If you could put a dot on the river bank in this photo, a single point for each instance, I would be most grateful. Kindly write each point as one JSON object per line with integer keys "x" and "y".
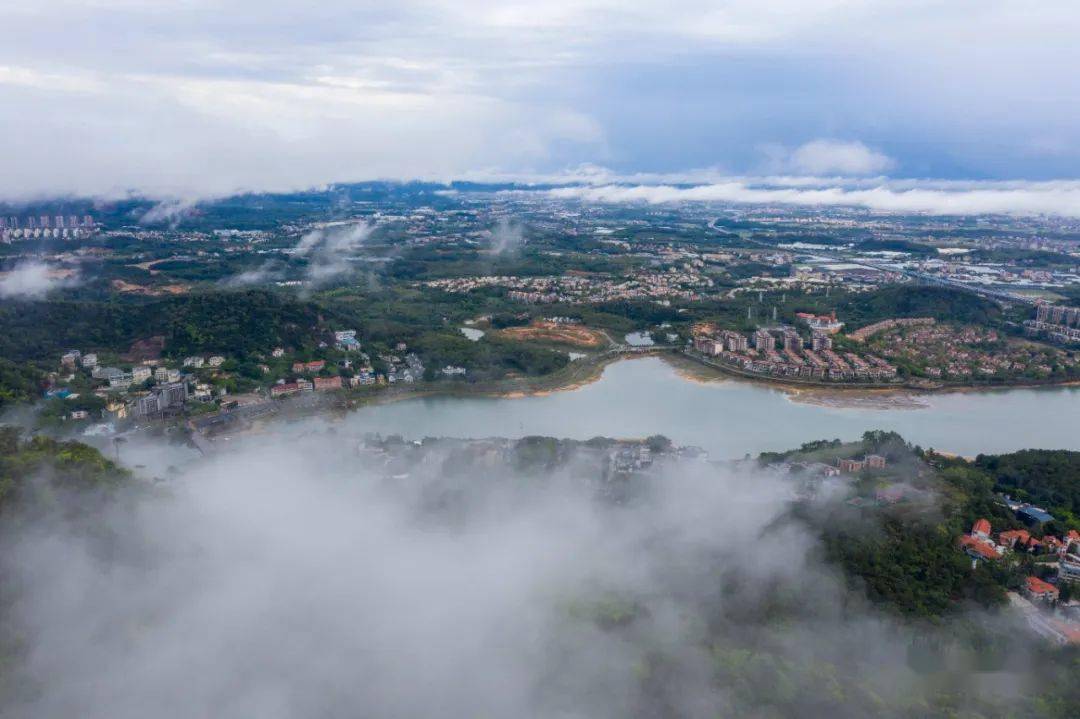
{"x": 818, "y": 390}
{"x": 665, "y": 394}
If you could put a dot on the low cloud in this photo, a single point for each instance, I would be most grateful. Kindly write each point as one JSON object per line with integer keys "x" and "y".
{"x": 936, "y": 198}
{"x": 263, "y": 273}
{"x": 168, "y": 212}
{"x": 328, "y": 249}
{"x": 293, "y": 575}
{"x": 507, "y": 237}
{"x": 828, "y": 157}
{"x": 34, "y": 280}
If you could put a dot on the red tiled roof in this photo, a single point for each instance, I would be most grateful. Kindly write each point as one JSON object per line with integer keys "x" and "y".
{"x": 981, "y": 526}
{"x": 1038, "y": 586}
{"x": 981, "y": 548}
{"x": 1020, "y": 536}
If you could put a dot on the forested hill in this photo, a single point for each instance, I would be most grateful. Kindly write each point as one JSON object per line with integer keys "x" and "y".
{"x": 39, "y": 472}
{"x": 1043, "y": 477}
{"x": 940, "y": 303}
{"x": 908, "y": 563}
{"x": 238, "y": 323}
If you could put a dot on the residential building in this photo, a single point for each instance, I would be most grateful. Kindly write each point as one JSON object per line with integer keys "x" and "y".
{"x": 1069, "y": 562}
{"x": 822, "y": 323}
{"x": 850, "y": 466}
{"x": 324, "y": 384}
{"x": 874, "y": 461}
{"x": 194, "y": 362}
{"x": 764, "y": 340}
{"x": 173, "y": 394}
{"x": 708, "y": 346}
{"x": 70, "y": 358}
{"x": 147, "y": 406}
{"x": 216, "y": 361}
{"x": 120, "y": 381}
{"x": 168, "y": 396}
{"x": 140, "y": 374}
{"x": 89, "y": 361}
{"x": 820, "y": 341}
{"x": 345, "y": 340}
{"x": 284, "y": 388}
{"x": 105, "y": 373}
{"x": 1014, "y": 538}
{"x": 1036, "y": 589}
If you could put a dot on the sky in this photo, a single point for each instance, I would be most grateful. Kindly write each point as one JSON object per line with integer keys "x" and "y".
{"x": 197, "y": 97}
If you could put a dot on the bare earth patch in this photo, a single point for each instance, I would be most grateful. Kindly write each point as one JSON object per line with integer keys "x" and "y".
{"x": 576, "y": 335}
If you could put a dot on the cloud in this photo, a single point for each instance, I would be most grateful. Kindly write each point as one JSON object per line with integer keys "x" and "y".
{"x": 507, "y": 237}
{"x": 328, "y": 249}
{"x": 1048, "y": 198}
{"x": 299, "y": 574}
{"x": 34, "y": 280}
{"x": 829, "y": 157}
{"x": 169, "y": 212}
{"x": 263, "y": 273}
{"x": 194, "y": 99}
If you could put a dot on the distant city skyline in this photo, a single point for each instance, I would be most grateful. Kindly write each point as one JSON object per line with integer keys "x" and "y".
{"x": 199, "y": 99}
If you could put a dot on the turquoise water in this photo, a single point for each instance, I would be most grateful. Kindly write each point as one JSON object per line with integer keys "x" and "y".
{"x": 730, "y": 418}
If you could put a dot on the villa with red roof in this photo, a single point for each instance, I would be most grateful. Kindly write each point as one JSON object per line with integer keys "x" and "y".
{"x": 978, "y": 544}
{"x": 1035, "y": 588}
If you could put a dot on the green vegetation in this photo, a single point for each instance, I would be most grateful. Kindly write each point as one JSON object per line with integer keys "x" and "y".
{"x": 239, "y": 323}
{"x": 940, "y": 303}
{"x": 1045, "y": 478}
{"x": 18, "y": 382}
{"x": 38, "y": 472}
{"x": 904, "y": 556}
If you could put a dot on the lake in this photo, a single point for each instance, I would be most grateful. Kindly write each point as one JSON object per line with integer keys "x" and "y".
{"x": 729, "y": 418}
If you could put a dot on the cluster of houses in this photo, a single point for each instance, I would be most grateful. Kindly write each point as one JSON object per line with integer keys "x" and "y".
{"x": 854, "y": 466}
{"x": 1057, "y": 621}
{"x": 963, "y": 352}
{"x": 684, "y": 282}
{"x": 861, "y": 334}
{"x": 131, "y": 390}
{"x": 781, "y": 352}
{"x": 405, "y": 370}
{"x": 980, "y": 545}
{"x": 126, "y": 391}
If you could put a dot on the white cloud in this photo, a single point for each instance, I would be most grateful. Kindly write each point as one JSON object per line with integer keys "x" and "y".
{"x": 33, "y": 280}
{"x": 328, "y": 249}
{"x": 1049, "y": 198}
{"x": 291, "y": 577}
{"x": 834, "y": 157}
{"x": 198, "y": 98}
